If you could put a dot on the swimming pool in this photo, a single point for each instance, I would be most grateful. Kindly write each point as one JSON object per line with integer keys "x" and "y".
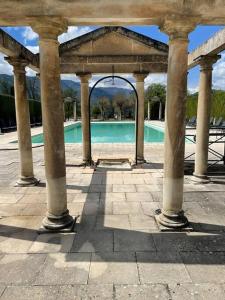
{"x": 109, "y": 132}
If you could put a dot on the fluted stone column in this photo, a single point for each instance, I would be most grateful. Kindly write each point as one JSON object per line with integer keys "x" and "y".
{"x": 203, "y": 115}
{"x": 172, "y": 215}
{"x": 26, "y": 177}
{"x": 52, "y": 110}
{"x": 85, "y": 117}
{"x": 140, "y": 81}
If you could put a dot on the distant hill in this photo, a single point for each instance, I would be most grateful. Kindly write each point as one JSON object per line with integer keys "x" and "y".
{"x": 65, "y": 84}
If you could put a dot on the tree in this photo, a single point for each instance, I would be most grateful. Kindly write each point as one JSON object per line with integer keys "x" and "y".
{"x": 103, "y": 104}
{"x": 6, "y": 87}
{"x": 119, "y": 102}
{"x": 32, "y": 88}
{"x": 156, "y": 95}
{"x": 69, "y": 97}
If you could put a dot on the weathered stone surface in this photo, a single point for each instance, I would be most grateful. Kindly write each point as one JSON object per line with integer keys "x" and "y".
{"x": 142, "y": 197}
{"x": 113, "y": 222}
{"x": 52, "y": 242}
{"x": 86, "y": 292}
{"x": 20, "y": 268}
{"x": 207, "y": 267}
{"x": 31, "y": 292}
{"x": 106, "y": 268}
{"x": 133, "y": 241}
{"x": 64, "y": 268}
{"x": 154, "y": 267}
{"x": 142, "y": 291}
{"x": 93, "y": 241}
{"x": 190, "y": 291}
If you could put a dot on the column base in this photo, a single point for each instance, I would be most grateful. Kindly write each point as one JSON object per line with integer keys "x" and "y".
{"x": 172, "y": 221}
{"x": 200, "y": 178}
{"x": 27, "y": 181}
{"x": 88, "y": 162}
{"x": 57, "y": 223}
{"x": 141, "y": 160}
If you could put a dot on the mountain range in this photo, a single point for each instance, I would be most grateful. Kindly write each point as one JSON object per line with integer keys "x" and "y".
{"x": 98, "y": 92}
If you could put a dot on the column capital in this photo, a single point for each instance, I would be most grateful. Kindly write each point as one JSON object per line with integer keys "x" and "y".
{"x": 140, "y": 76}
{"x": 84, "y": 77}
{"x": 206, "y": 61}
{"x": 49, "y": 28}
{"x": 178, "y": 28}
{"x": 19, "y": 64}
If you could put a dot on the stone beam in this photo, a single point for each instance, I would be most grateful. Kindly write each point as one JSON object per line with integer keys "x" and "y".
{"x": 111, "y": 12}
{"x": 10, "y": 47}
{"x": 118, "y": 68}
{"x": 112, "y": 59}
{"x": 212, "y": 46}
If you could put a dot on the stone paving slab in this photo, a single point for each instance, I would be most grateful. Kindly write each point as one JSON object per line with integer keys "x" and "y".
{"x": 20, "y": 268}
{"x": 143, "y": 291}
{"x": 93, "y": 241}
{"x": 129, "y": 241}
{"x": 187, "y": 291}
{"x": 205, "y": 267}
{"x": 64, "y": 268}
{"x": 52, "y": 242}
{"x": 117, "y": 251}
{"x": 161, "y": 267}
{"x": 120, "y": 268}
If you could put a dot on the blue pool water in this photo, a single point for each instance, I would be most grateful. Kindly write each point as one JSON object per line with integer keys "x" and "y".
{"x": 108, "y": 132}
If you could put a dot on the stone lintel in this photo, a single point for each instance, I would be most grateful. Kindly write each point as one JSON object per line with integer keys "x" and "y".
{"x": 118, "y": 68}
{"x": 10, "y": 47}
{"x": 109, "y": 59}
{"x": 212, "y": 46}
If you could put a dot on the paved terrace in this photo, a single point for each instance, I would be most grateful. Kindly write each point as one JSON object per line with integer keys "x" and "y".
{"x": 116, "y": 251}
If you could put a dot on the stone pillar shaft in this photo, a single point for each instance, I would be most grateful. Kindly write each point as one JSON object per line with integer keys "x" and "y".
{"x": 23, "y": 123}
{"x": 53, "y": 117}
{"x": 203, "y": 115}
{"x": 140, "y": 77}
{"x": 85, "y": 117}
{"x": 174, "y": 145}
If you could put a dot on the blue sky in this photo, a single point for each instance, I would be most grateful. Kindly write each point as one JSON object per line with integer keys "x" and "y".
{"x": 30, "y": 39}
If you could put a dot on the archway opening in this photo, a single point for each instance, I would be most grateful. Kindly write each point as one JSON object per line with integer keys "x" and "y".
{"x": 113, "y": 77}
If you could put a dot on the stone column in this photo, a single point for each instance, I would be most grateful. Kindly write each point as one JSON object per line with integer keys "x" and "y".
{"x": 149, "y": 110}
{"x": 85, "y": 117}
{"x": 172, "y": 215}
{"x": 26, "y": 177}
{"x": 75, "y": 110}
{"x": 203, "y": 115}
{"x": 160, "y": 110}
{"x": 52, "y": 110}
{"x": 140, "y": 80}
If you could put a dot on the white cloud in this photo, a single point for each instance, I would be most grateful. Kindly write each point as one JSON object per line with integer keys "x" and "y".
{"x": 34, "y": 49}
{"x": 29, "y": 35}
{"x": 5, "y": 68}
{"x": 155, "y": 78}
{"x": 219, "y": 73}
{"x": 73, "y": 32}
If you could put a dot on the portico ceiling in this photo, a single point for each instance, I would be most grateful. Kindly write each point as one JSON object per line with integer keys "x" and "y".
{"x": 111, "y": 12}
{"x": 115, "y": 49}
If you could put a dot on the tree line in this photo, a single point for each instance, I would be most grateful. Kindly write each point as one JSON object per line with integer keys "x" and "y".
{"x": 119, "y": 107}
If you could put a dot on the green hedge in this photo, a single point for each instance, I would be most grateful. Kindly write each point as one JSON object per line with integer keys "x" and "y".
{"x": 8, "y": 114}
{"x": 217, "y": 108}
